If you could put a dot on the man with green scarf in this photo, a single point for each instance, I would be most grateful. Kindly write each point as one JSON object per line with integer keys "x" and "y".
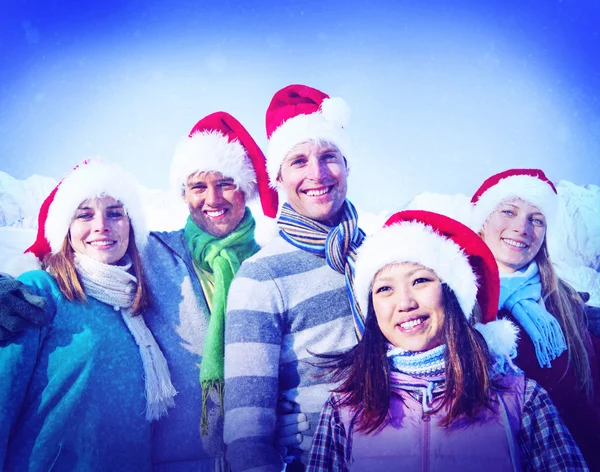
{"x": 216, "y": 170}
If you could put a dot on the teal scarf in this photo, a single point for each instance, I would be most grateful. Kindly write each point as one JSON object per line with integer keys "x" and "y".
{"x": 222, "y": 257}
{"x": 519, "y": 294}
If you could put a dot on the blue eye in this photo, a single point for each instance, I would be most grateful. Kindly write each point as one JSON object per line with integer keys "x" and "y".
{"x": 84, "y": 216}
{"x": 508, "y": 212}
{"x": 538, "y": 222}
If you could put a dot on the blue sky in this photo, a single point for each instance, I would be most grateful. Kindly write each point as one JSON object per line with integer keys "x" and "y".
{"x": 443, "y": 93}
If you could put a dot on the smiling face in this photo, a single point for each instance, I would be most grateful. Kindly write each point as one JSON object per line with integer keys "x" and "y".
{"x": 100, "y": 230}
{"x": 409, "y": 305}
{"x": 514, "y": 233}
{"x": 215, "y": 203}
{"x": 314, "y": 179}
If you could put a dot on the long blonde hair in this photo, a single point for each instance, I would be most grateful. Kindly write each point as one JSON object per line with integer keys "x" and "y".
{"x": 61, "y": 265}
{"x": 565, "y": 304}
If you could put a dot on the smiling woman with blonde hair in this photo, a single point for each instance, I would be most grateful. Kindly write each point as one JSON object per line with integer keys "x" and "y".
{"x": 79, "y": 393}
{"x": 513, "y": 211}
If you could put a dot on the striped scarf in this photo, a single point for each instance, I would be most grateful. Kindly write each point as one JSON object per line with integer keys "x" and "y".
{"x": 337, "y": 245}
{"x": 427, "y": 371}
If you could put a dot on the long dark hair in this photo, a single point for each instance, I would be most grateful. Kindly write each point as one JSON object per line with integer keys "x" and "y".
{"x": 364, "y": 370}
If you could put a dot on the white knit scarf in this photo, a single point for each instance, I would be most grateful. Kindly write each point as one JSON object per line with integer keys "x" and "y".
{"x": 114, "y": 285}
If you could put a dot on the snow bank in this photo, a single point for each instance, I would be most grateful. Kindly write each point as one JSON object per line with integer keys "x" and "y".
{"x": 20, "y": 200}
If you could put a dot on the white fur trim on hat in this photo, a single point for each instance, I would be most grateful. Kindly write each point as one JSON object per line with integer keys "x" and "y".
{"x": 93, "y": 180}
{"x": 326, "y": 125}
{"x": 525, "y": 187}
{"x": 501, "y": 336}
{"x": 416, "y": 243}
{"x": 211, "y": 151}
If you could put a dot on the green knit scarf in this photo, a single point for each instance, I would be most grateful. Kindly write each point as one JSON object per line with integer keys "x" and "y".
{"x": 222, "y": 257}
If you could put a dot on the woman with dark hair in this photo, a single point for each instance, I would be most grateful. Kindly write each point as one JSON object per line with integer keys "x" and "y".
{"x": 513, "y": 211}
{"x": 80, "y": 391}
{"x": 427, "y": 388}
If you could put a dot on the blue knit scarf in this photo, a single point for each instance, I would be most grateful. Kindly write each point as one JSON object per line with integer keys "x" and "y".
{"x": 337, "y": 245}
{"x": 519, "y": 293}
{"x": 427, "y": 371}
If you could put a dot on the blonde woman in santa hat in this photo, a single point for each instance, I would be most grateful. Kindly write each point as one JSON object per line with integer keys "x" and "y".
{"x": 513, "y": 211}
{"x": 423, "y": 389}
{"x": 80, "y": 392}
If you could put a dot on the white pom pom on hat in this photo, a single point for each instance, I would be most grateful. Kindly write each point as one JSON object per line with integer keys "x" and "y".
{"x": 458, "y": 256}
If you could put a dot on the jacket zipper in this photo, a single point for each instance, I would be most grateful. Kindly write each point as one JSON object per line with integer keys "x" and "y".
{"x": 425, "y": 453}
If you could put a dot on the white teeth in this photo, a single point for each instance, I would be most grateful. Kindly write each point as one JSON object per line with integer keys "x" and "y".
{"x": 102, "y": 243}
{"x": 317, "y": 193}
{"x": 412, "y": 324}
{"x": 510, "y": 242}
{"x": 216, "y": 213}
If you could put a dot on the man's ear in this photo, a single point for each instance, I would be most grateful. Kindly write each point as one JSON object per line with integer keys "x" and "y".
{"x": 347, "y": 168}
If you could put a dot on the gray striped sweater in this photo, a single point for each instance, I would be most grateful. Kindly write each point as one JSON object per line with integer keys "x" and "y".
{"x": 283, "y": 304}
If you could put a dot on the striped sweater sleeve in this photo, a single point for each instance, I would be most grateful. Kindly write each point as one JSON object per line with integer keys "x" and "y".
{"x": 253, "y": 336}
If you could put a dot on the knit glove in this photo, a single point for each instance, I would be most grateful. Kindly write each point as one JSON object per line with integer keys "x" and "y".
{"x": 19, "y": 308}
{"x": 288, "y": 430}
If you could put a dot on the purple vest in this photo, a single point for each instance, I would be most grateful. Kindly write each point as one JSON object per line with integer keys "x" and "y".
{"x": 414, "y": 441}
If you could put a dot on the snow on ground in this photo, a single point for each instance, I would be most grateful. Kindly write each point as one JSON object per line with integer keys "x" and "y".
{"x": 574, "y": 244}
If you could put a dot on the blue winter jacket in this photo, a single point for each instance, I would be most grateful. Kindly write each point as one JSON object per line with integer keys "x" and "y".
{"x": 72, "y": 392}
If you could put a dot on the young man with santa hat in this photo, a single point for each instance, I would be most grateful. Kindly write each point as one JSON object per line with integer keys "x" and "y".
{"x": 293, "y": 299}
{"x": 217, "y": 169}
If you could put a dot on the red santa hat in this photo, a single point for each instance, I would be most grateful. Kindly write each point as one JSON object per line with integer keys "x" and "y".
{"x": 219, "y": 143}
{"x": 457, "y": 255}
{"x": 298, "y": 113}
{"x": 93, "y": 178}
{"x": 530, "y": 185}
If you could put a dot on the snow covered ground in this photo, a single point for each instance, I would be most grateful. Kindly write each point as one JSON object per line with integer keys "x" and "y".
{"x": 574, "y": 244}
